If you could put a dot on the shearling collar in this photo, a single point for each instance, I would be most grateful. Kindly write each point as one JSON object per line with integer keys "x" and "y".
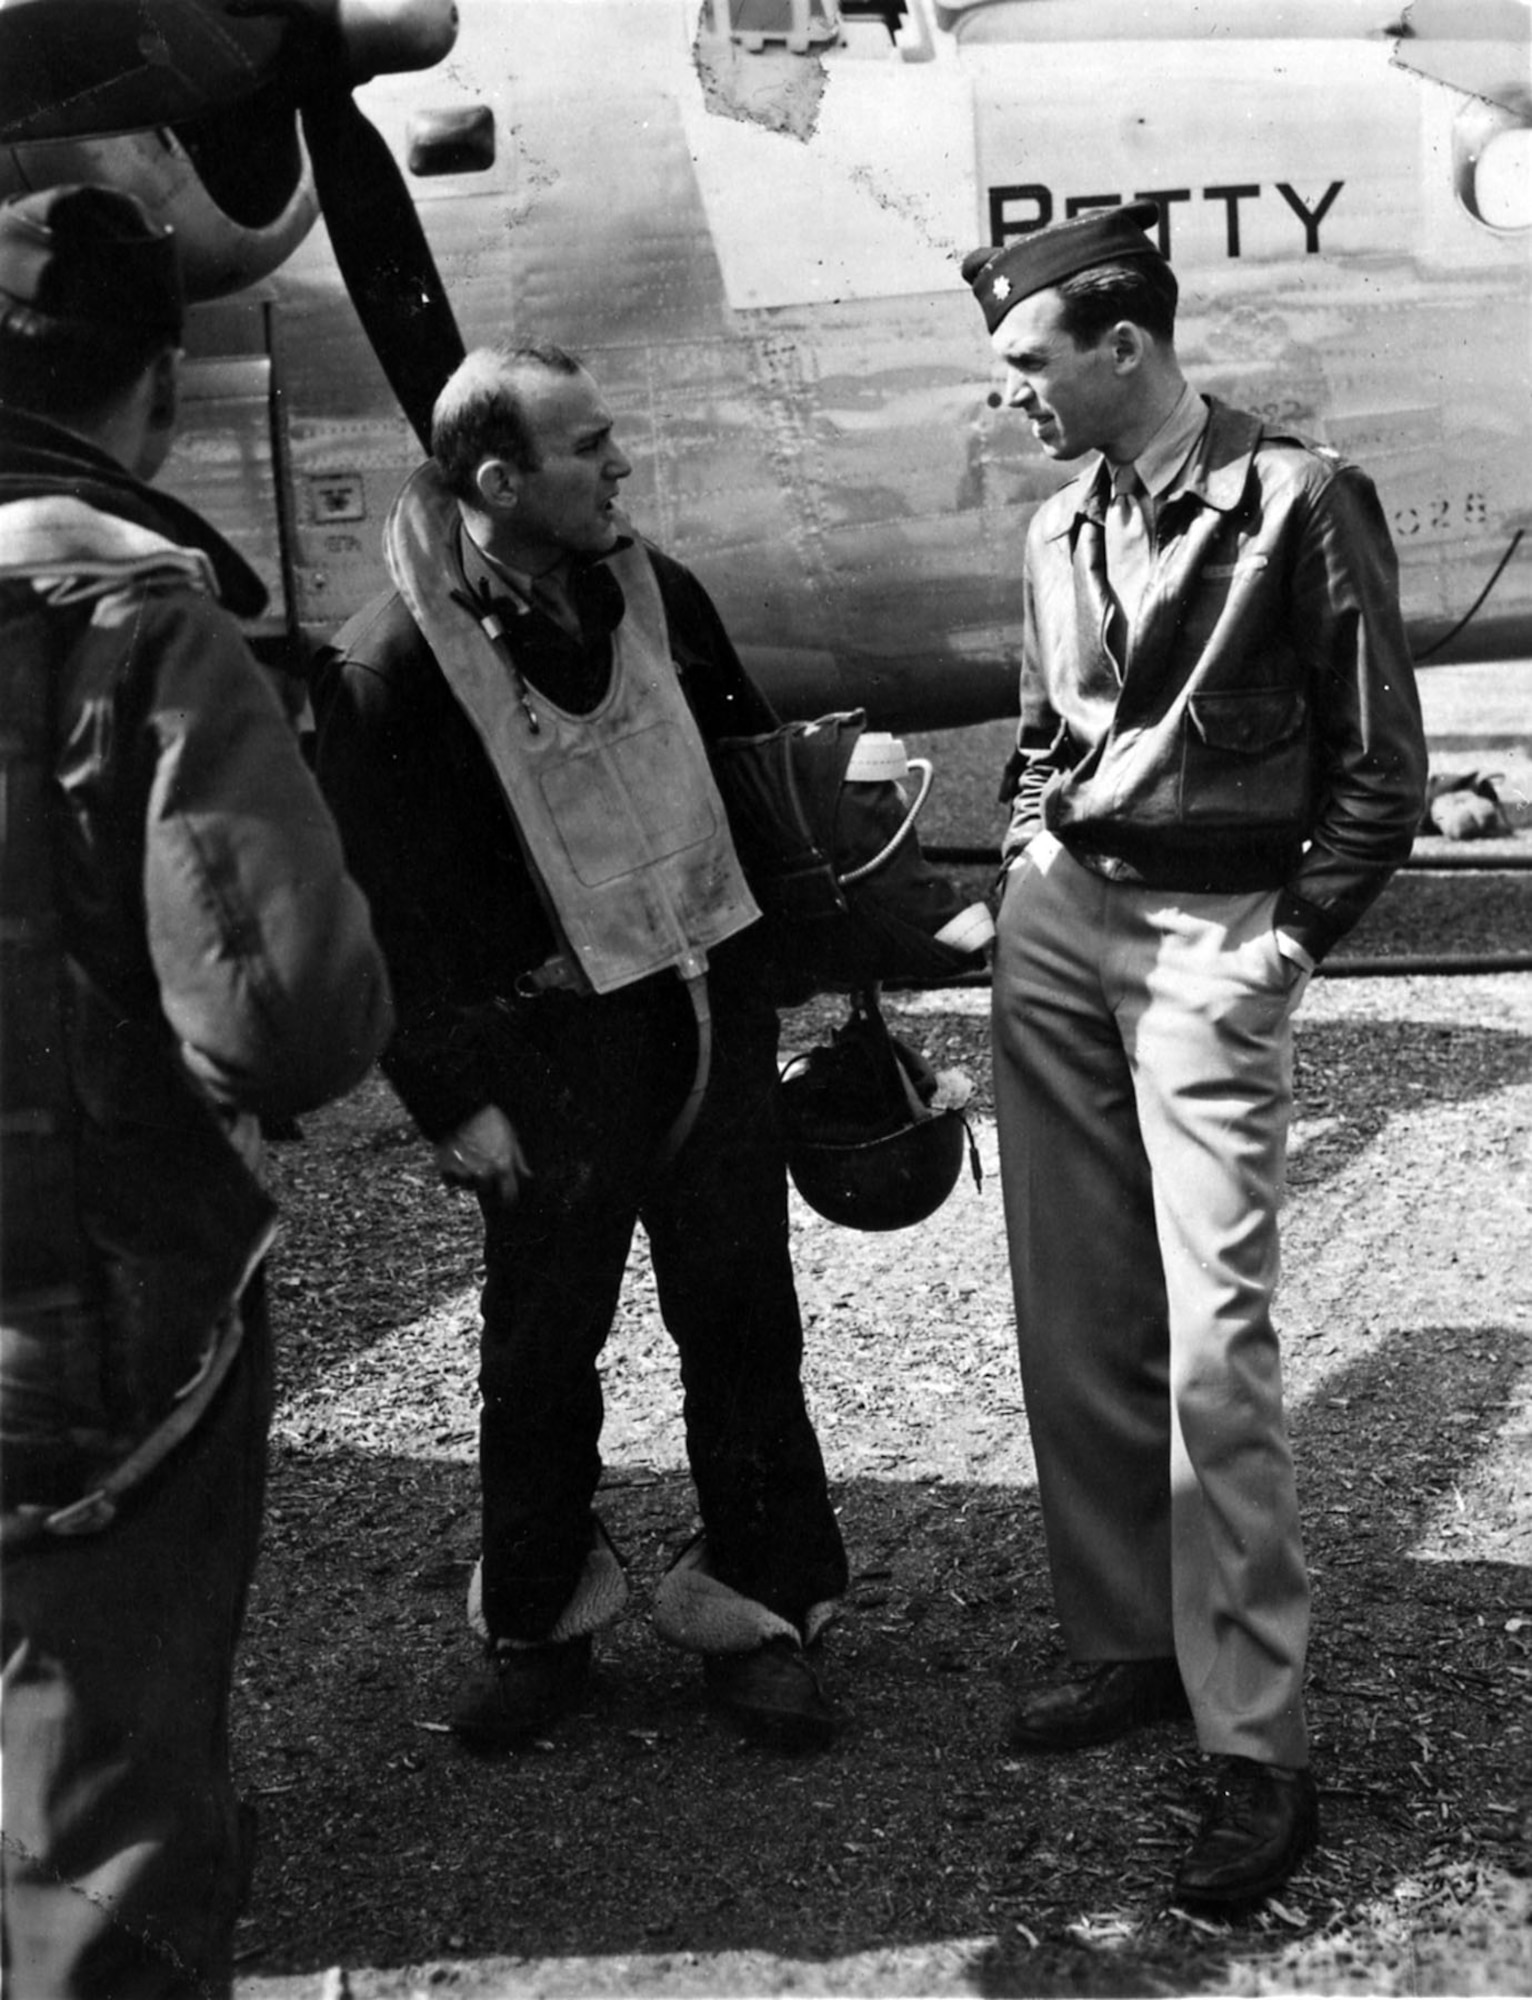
{"x": 40, "y": 459}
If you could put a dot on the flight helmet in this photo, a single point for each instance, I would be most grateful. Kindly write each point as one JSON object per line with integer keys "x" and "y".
{"x": 870, "y": 1145}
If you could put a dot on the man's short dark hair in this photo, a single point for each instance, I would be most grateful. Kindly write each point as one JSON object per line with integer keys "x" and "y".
{"x": 1140, "y": 289}
{"x": 480, "y": 413}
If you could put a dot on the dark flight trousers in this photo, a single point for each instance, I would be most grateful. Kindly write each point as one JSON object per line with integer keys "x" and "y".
{"x": 593, "y": 1091}
{"x": 125, "y": 1858}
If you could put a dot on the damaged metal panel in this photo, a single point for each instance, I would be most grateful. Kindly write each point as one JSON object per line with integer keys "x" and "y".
{"x": 1484, "y": 49}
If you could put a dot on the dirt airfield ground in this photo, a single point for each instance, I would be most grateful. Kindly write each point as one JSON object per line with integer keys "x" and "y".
{"x": 641, "y": 1850}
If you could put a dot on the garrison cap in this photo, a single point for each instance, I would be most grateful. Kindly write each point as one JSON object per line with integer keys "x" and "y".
{"x": 87, "y": 261}
{"x": 1002, "y": 278}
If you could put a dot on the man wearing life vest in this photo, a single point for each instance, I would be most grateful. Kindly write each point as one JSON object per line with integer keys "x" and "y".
{"x": 515, "y": 741}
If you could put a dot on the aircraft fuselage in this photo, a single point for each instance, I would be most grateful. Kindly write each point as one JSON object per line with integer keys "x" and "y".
{"x": 756, "y": 252}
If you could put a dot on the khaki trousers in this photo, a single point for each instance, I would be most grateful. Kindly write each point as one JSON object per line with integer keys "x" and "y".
{"x": 1143, "y": 1082}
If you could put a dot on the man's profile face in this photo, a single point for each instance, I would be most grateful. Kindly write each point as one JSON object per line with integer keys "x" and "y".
{"x": 1074, "y": 397}
{"x": 564, "y": 506}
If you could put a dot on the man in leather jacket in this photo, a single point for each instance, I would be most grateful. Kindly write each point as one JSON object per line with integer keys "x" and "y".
{"x": 515, "y": 742}
{"x": 1220, "y": 762}
{"x": 181, "y": 953}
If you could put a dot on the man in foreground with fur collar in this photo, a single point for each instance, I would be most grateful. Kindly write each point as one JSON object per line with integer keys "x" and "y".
{"x": 181, "y": 953}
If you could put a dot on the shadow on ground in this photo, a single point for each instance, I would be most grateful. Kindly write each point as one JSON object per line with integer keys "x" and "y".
{"x": 642, "y": 1831}
{"x": 641, "y": 1826}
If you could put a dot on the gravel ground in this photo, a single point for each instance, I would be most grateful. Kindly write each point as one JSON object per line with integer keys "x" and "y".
{"x": 641, "y": 1849}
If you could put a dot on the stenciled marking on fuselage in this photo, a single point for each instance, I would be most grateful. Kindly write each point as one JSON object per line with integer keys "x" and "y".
{"x": 1005, "y": 224}
{"x": 1440, "y": 514}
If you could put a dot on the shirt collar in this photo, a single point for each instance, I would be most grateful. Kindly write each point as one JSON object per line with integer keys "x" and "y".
{"x": 1163, "y": 457}
{"x": 481, "y": 568}
{"x": 1215, "y": 469}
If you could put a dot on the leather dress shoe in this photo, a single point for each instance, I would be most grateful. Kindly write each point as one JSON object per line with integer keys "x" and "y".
{"x": 519, "y": 1690}
{"x": 772, "y": 1695}
{"x": 1110, "y": 1700}
{"x": 1263, "y": 1820}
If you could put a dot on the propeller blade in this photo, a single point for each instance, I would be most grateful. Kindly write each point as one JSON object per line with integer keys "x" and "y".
{"x": 72, "y": 69}
{"x": 383, "y": 254}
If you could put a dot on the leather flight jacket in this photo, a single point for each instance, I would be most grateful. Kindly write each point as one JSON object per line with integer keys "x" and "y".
{"x": 1263, "y": 730}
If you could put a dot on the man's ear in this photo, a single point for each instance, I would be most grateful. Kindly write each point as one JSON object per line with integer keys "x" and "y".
{"x": 165, "y": 390}
{"x": 498, "y": 483}
{"x": 1129, "y": 345}
{"x": 146, "y": 420}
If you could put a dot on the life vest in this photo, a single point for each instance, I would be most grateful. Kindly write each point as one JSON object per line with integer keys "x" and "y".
{"x": 616, "y": 810}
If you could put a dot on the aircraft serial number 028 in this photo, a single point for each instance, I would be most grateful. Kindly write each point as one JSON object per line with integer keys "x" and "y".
{"x": 748, "y": 215}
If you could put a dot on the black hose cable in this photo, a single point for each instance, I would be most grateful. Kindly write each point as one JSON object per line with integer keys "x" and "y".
{"x": 1473, "y": 610}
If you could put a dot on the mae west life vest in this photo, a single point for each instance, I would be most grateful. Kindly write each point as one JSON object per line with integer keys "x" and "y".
{"x": 616, "y": 809}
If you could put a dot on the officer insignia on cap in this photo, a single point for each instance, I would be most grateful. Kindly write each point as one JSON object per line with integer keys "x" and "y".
{"x": 1040, "y": 258}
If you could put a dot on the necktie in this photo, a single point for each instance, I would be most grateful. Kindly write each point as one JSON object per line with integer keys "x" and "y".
{"x": 551, "y": 596}
{"x": 1129, "y": 554}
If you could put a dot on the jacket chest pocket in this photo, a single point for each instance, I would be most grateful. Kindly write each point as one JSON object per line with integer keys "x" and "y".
{"x": 1245, "y": 757}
